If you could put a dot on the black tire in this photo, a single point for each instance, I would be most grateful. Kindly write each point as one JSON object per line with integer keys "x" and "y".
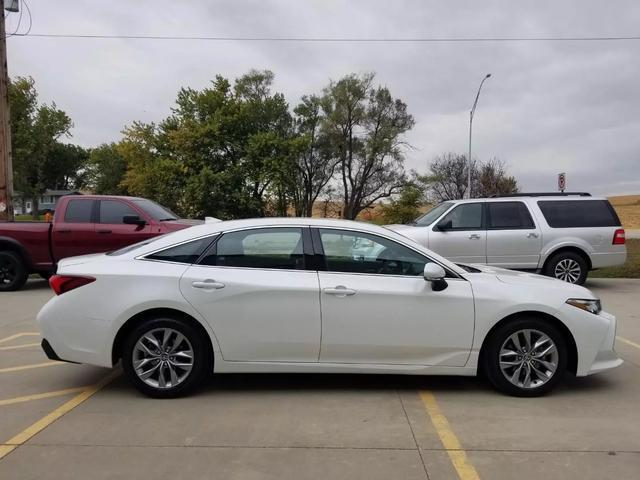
{"x": 501, "y": 336}
{"x": 201, "y": 363}
{"x": 13, "y": 272}
{"x": 554, "y": 269}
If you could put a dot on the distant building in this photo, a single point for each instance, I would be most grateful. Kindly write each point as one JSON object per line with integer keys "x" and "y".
{"x": 47, "y": 201}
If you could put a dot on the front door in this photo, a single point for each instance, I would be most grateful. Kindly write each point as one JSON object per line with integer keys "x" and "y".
{"x": 460, "y": 235}
{"x": 378, "y": 309}
{"x": 253, "y": 289}
{"x": 112, "y": 233}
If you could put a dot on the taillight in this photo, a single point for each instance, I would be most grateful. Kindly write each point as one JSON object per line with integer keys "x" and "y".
{"x": 65, "y": 283}
{"x": 618, "y": 237}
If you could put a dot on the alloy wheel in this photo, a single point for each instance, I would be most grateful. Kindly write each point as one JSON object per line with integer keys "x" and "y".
{"x": 163, "y": 358}
{"x": 528, "y": 358}
{"x": 568, "y": 270}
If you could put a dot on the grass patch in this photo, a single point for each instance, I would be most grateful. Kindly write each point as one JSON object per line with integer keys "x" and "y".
{"x": 631, "y": 268}
{"x": 28, "y": 218}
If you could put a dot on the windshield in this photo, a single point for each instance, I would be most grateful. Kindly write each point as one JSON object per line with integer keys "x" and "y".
{"x": 429, "y": 217}
{"x": 155, "y": 211}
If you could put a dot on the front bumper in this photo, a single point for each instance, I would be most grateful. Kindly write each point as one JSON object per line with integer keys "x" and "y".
{"x": 602, "y": 356}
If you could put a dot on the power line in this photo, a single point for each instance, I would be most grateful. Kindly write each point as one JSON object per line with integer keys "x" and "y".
{"x": 331, "y": 39}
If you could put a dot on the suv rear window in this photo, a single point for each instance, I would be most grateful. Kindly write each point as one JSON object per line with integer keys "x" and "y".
{"x": 579, "y": 213}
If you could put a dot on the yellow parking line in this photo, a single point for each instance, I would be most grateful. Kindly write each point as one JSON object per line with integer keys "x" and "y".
{"x": 24, "y": 345}
{"x": 28, "y": 367}
{"x": 628, "y": 342}
{"x": 18, "y": 335}
{"x": 457, "y": 455}
{"x": 13, "y": 443}
{"x": 38, "y": 396}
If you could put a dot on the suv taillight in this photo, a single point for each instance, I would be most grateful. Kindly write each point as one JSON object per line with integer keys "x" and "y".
{"x": 618, "y": 237}
{"x": 65, "y": 283}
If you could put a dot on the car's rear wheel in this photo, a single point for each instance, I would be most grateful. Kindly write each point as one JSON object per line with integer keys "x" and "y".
{"x": 165, "y": 357}
{"x": 526, "y": 357}
{"x": 569, "y": 267}
{"x": 13, "y": 273}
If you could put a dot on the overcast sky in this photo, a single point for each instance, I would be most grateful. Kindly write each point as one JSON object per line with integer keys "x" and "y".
{"x": 548, "y": 107}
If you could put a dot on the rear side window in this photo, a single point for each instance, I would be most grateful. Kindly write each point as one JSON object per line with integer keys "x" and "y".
{"x": 279, "y": 248}
{"x": 509, "y": 216}
{"x": 579, "y": 213}
{"x": 185, "y": 253}
{"x": 78, "y": 211}
{"x": 113, "y": 211}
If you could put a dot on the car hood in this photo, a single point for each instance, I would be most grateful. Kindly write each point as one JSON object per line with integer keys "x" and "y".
{"x": 514, "y": 277}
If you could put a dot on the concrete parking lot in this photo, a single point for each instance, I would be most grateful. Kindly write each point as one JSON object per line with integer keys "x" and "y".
{"x": 61, "y": 420}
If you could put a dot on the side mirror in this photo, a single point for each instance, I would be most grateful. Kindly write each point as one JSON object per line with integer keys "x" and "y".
{"x": 133, "y": 220}
{"x": 435, "y": 274}
{"x": 445, "y": 225}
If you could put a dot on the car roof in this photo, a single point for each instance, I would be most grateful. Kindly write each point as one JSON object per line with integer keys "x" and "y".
{"x": 524, "y": 197}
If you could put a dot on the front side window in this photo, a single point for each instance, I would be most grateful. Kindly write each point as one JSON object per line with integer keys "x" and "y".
{"x": 431, "y": 216}
{"x": 509, "y": 216}
{"x": 185, "y": 253}
{"x": 113, "y": 211}
{"x": 466, "y": 216}
{"x": 279, "y": 248}
{"x": 356, "y": 252}
{"x": 78, "y": 211}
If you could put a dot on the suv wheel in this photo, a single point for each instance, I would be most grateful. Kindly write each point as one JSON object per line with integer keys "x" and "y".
{"x": 525, "y": 358}
{"x": 13, "y": 274}
{"x": 165, "y": 357}
{"x": 568, "y": 267}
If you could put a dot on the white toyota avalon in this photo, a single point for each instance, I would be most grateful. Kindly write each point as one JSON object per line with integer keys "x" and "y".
{"x": 310, "y": 295}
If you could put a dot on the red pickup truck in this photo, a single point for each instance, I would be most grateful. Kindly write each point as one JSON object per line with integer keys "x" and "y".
{"x": 82, "y": 224}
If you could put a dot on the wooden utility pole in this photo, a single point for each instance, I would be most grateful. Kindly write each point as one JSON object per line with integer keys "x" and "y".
{"x": 6, "y": 168}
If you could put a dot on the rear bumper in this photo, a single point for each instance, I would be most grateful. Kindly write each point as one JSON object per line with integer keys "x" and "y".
{"x": 600, "y": 260}
{"x": 50, "y": 352}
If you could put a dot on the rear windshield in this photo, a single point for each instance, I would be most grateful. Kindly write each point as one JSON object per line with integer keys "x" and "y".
{"x": 579, "y": 213}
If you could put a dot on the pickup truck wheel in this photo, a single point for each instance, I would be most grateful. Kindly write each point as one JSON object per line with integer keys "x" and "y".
{"x": 13, "y": 274}
{"x": 567, "y": 266}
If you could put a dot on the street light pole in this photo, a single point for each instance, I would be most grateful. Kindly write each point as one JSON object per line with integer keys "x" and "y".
{"x": 473, "y": 109}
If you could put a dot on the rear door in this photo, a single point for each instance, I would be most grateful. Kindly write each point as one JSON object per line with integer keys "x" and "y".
{"x": 254, "y": 289}
{"x": 513, "y": 238}
{"x": 460, "y": 235}
{"x": 74, "y": 232}
{"x": 112, "y": 232}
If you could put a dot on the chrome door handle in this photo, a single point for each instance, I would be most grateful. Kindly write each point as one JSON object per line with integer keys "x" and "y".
{"x": 208, "y": 285}
{"x": 339, "y": 291}
{"x": 532, "y": 235}
{"x": 474, "y": 236}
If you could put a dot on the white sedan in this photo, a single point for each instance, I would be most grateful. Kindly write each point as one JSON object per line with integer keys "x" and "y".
{"x": 311, "y": 295}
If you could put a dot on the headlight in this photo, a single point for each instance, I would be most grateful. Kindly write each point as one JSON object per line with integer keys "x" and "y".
{"x": 591, "y": 306}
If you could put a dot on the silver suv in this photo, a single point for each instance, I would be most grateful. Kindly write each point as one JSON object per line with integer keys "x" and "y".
{"x": 560, "y": 235}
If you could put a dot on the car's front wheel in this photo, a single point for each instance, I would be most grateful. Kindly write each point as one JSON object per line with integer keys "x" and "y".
{"x": 526, "y": 357}
{"x": 165, "y": 357}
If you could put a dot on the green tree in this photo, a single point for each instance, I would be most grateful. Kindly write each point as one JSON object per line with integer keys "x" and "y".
{"x": 314, "y": 165}
{"x": 106, "y": 168}
{"x": 35, "y": 131}
{"x": 65, "y": 167}
{"x": 365, "y": 126}
{"x": 406, "y": 207}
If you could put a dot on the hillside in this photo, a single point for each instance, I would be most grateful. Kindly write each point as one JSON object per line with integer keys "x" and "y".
{"x": 628, "y": 208}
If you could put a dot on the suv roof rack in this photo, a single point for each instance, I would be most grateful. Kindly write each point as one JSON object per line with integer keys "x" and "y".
{"x": 544, "y": 194}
